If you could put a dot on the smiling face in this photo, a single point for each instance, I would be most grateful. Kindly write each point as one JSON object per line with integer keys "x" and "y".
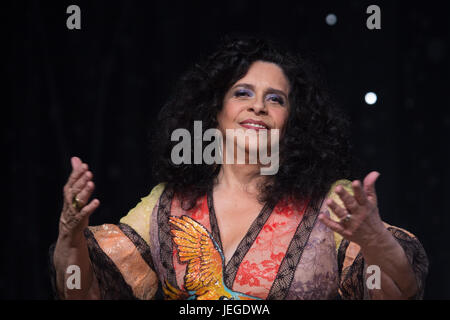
{"x": 258, "y": 101}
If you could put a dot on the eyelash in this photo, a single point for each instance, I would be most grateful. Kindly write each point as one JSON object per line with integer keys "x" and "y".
{"x": 241, "y": 92}
{"x": 277, "y": 99}
{"x": 274, "y": 97}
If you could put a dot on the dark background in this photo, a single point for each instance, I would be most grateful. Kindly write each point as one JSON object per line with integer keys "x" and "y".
{"x": 95, "y": 93}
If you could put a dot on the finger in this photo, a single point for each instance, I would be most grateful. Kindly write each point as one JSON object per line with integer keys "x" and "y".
{"x": 333, "y": 225}
{"x": 337, "y": 209}
{"x": 89, "y": 208}
{"x": 359, "y": 193}
{"x": 81, "y": 182}
{"x": 348, "y": 200}
{"x": 70, "y": 192}
{"x": 86, "y": 193}
{"x": 75, "y": 162}
{"x": 369, "y": 186}
{"x": 77, "y": 171}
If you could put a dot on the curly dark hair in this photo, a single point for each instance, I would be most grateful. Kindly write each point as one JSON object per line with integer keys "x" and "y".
{"x": 314, "y": 152}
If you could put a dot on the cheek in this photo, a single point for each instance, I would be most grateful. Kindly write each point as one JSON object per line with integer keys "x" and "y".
{"x": 280, "y": 117}
{"x": 229, "y": 114}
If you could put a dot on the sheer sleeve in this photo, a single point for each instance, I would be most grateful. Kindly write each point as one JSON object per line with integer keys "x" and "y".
{"x": 120, "y": 255}
{"x": 351, "y": 262}
{"x": 351, "y": 265}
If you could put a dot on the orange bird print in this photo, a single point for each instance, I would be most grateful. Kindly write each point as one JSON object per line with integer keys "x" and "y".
{"x": 205, "y": 264}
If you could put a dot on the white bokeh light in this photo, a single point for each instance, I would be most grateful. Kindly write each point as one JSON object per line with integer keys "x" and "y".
{"x": 370, "y": 98}
{"x": 331, "y": 19}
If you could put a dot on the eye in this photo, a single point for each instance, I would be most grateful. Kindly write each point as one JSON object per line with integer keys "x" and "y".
{"x": 243, "y": 93}
{"x": 276, "y": 98}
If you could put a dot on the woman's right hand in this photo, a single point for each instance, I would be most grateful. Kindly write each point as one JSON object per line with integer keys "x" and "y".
{"x": 73, "y": 221}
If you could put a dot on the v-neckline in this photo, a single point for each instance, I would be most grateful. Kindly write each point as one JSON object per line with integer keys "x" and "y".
{"x": 287, "y": 269}
{"x": 232, "y": 266}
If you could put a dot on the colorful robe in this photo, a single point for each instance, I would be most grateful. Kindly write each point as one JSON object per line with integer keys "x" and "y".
{"x": 160, "y": 251}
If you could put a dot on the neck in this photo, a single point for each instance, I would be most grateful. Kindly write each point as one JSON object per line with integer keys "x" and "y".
{"x": 240, "y": 178}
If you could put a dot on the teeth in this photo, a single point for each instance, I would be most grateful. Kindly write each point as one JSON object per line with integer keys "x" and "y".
{"x": 255, "y": 125}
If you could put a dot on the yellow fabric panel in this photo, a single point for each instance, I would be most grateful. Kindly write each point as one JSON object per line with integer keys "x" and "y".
{"x": 138, "y": 218}
{"x": 347, "y": 184}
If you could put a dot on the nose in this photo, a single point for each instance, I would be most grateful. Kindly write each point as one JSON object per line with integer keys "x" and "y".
{"x": 258, "y": 107}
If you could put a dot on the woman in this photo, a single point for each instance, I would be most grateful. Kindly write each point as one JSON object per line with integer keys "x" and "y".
{"x": 224, "y": 230}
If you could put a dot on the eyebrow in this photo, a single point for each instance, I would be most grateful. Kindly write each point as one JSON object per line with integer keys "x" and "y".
{"x": 268, "y": 90}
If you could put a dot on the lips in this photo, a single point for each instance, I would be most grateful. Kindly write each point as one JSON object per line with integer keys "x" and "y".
{"x": 254, "y": 124}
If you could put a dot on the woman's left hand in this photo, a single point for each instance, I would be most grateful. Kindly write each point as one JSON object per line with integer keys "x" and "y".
{"x": 360, "y": 220}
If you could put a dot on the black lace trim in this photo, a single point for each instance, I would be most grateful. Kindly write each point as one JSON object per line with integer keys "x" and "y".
{"x": 282, "y": 283}
{"x": 164, "y": 236}
{"x": 352, "y": 278}
{"x": 341, "y": 255}
{"x": 351, "y": 283}
{"x": 213, "y": 220}
{"x": 144, "y": 250}
{"x": 417, "y": 257}
{"x": 111, "y": 282}
{"x": 140, "y": 243}
{"x": 246, "y": 243}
